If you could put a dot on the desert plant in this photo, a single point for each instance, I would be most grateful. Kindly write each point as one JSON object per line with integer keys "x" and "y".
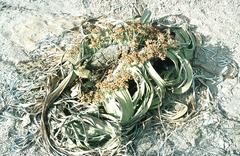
{"x": 105, "y": 85}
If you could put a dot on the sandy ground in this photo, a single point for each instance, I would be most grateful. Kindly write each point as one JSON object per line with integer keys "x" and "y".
{"x": 31, "y": 26}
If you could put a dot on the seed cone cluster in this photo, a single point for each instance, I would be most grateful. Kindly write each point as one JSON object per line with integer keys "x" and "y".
{"x": 143, "y": 41}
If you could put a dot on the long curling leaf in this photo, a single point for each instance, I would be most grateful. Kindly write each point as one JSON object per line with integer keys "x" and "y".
{"x": 51, "y": 97}
{"x": 187, "y": 79}
{"x": 147, "y": 89}
{"x": 187, "y": 41}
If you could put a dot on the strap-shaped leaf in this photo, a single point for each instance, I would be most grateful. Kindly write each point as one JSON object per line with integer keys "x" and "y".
{"x": 187, "y": 79}
{"x": 145, "y": 18}
{"x": 187, "y": 41}
{"x": 125, "y": 102}
{"x": 154, "y": 75}
{"x": 51, "y": 97}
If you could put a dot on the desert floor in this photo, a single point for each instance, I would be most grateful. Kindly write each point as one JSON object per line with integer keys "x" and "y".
{"x": 34, "y": 25}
